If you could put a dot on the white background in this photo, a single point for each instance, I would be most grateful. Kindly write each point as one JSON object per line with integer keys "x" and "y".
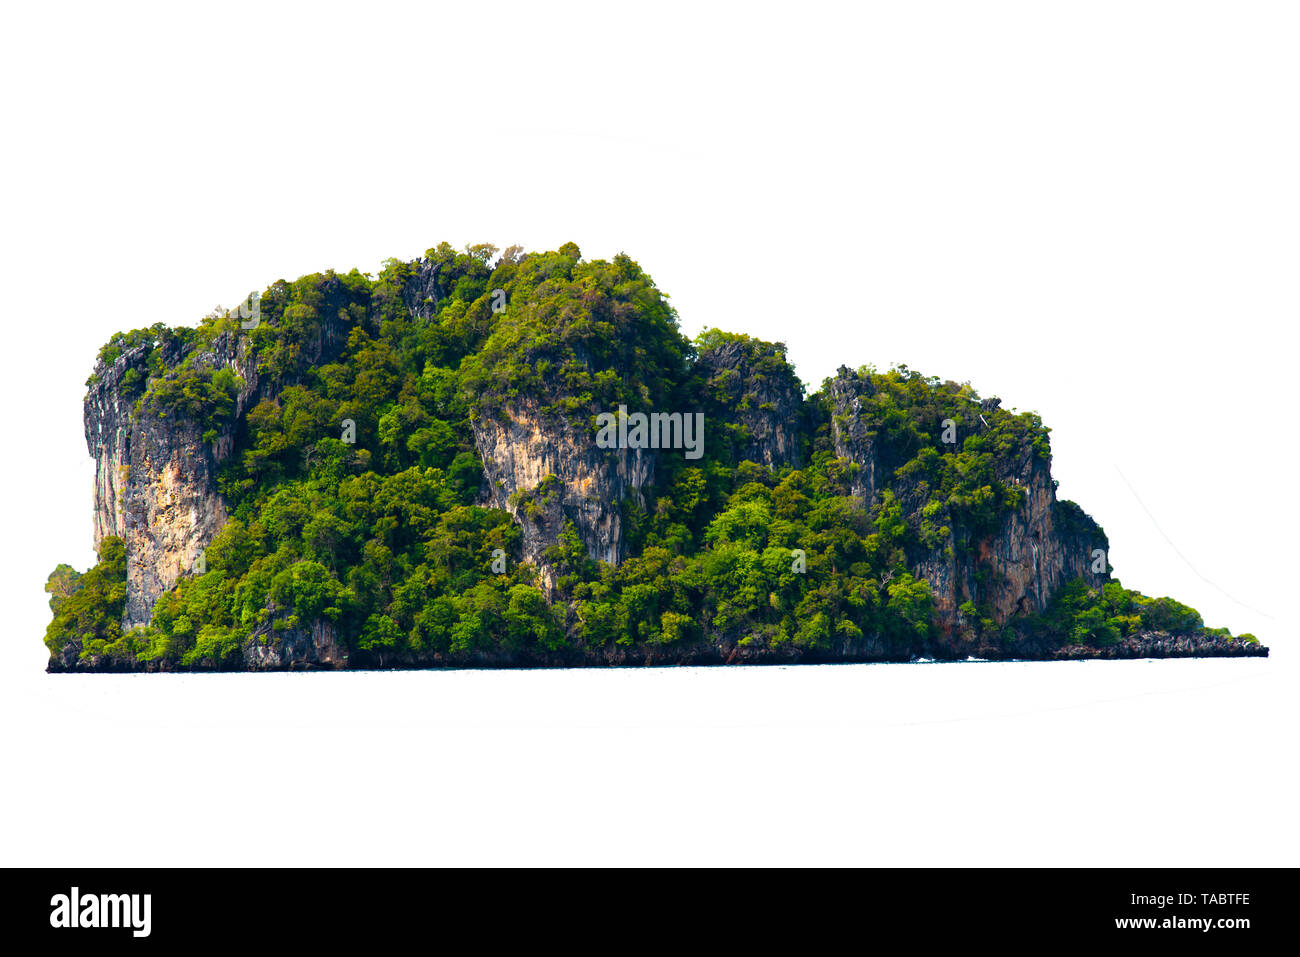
{"x": 1089, "y": 210}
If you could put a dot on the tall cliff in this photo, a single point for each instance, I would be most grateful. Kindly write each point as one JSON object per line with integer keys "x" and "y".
{"x": 155, "y": 474}
{"x": 383, "y": 472}
{"x": 158, "y": 447}
{"x": 1038, "y": 546}
{"x": 1013, "y": 565}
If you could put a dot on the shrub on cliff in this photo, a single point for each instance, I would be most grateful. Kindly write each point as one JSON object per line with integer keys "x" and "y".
{"x": 577, "y": 337}
{"x": 88, "y": 608}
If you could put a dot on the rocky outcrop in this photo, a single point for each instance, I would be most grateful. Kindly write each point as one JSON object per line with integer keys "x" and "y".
{"x": 852, "y": 434}
{"x": 1160, "y": 645}
{"x": 1039, "y": 545}
{"x": 155, "y": 477}
{"x": 421, "y": 291}
{"x": 155, "y": 472}
{"x": 317, "y": 646}
{"x": 545, "y": 470}
{"x": 752, "y": 393}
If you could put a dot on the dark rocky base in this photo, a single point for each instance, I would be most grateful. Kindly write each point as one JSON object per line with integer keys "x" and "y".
{"x": 1166, "y": 646}
{"x": 294, "y": 654}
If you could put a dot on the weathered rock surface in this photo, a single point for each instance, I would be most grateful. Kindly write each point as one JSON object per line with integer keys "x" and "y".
{"x": 545, "y": 470}
{"x": 156, "y": 477}
{"x": 1038, "y": 547}
{"x": 1158, "y": 645}
{"x": 853, "y": 437}
{"x": 756, "y": 396}
{"x": 317, "y": 646}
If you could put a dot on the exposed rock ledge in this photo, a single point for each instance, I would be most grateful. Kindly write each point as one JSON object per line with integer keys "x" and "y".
{"x": 1167, "y": 646}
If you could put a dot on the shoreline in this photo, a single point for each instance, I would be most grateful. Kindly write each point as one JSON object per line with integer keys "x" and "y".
{"x": 1151, "y": 647}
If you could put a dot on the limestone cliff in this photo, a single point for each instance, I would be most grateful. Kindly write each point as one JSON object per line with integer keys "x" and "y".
{"x": 155, "y": 477}
{"x": 854, "y": 438}
{"x": 1013, "y": 569}
{"x": 754, "y": 400}
{"x": 1038, "y": 547}
{"x": 156, "y": 470}
{"x": 545, "y": 471}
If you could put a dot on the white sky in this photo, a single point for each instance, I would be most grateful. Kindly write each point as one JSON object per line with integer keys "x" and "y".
{"x": 1089, "y": 211}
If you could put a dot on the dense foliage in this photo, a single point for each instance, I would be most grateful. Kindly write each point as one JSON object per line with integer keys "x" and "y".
{"x": 88, "y": 608}
{"x": 382, "y": 537}
{"x": 1079, "y": 615}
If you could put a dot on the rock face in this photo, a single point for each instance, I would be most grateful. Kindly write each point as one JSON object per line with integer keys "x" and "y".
{"x": 754, "y": 394}
{"x": 547, "y": 470}
{"x": 544, "y": 470}
{"x": 1157, "y": 645}
{"x": 1038, "y": 547}
{"x": 155, "y": 478}
{"x": 421, "y": 293}
{"x": 854, "y": 440}
{"x": 315, "y": 647}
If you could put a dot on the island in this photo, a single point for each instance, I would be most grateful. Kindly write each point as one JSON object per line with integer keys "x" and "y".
{"x": 497, "y": 458}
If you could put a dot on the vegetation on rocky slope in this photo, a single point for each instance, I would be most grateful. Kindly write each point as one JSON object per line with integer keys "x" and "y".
{"x": 384, "y": 536}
